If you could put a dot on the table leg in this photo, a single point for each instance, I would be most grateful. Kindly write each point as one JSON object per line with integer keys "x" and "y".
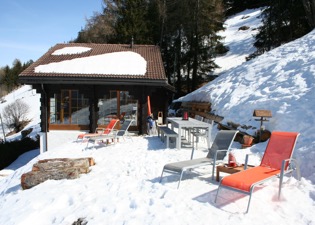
{"x": 209, "y": 138}
{"x": 218, "y": 175}
{"x": 179, "y": 139}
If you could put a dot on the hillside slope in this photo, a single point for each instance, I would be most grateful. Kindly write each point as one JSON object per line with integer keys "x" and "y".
{"x": 238, "y": 36}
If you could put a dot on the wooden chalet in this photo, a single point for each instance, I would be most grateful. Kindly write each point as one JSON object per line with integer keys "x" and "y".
{"x": 83, "y": 86}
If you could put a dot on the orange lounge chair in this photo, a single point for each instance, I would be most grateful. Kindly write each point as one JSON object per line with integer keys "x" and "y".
{"x": 100, "y": 131}
{"x": 275, "y": 162}
{"x": 114, "y": 136}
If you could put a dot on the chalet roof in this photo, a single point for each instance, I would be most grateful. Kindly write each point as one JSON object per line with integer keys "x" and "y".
{"x": 153, "y": 75}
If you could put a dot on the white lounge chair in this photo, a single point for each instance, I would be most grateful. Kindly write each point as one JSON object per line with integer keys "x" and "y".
{"x": 114, "y": 135}
{"x": 216, "y": 154}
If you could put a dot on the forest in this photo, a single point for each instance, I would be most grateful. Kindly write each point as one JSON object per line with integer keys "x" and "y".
{"x": 9, "y": 76}
{"x": 186, "y": 32}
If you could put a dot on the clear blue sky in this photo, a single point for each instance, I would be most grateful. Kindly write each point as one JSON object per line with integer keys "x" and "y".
{"x": 28, "y": 28}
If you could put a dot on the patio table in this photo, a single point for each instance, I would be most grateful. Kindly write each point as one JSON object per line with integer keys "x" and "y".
{"x": 179, "y": 123}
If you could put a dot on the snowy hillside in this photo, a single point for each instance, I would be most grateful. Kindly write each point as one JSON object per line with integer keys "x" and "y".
{"x": 283, "y": 81}
{"x": 31, "y": 98}
{"x": 239, "y": 36}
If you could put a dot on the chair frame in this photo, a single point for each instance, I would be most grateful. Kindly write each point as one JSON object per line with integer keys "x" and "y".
{"x": 286, "y": 167}
{"x": 98, "y": 131}
{"x": 124, "y": 132}
{"x": 114, "y": 135}
{"x": 195, "y": 163}
{"x": 200, "y": 133}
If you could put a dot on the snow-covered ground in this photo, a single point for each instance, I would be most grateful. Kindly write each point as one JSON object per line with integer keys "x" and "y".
{"x": 239, "y": 36}
{"x": 123, "y": 187}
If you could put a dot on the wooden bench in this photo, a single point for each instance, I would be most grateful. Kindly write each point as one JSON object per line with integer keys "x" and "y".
{"x": 158, "y": 128}
{"x": 167, "y": 132}
{"x": 202, "y": 109}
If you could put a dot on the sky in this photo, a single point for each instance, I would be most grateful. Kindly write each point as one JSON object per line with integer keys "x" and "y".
{"x": 124, "y": 186}
{"x": 29, "y": 28}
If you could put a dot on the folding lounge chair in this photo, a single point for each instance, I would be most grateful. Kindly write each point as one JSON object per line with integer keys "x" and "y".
{"x": 123, "y": 131}
{"x": 114, "y": 135}
{"x": 217, "y": 152}
{"x": 275, "y": 162}
{"x": 99, "y": 131}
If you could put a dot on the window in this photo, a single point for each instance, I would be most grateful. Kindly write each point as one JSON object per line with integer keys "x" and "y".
{"x": 69, "y": 107}
{"x": 117, "y": 104}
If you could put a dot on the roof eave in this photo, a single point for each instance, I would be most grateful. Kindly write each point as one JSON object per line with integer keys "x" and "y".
{"x": 94, "y": 81}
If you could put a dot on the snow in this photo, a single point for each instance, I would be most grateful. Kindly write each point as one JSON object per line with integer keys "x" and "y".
{"x": 116, "y": 63}
{"x": 234, "y": 38}
{"x": 71, "y": 50}
{"x": 123, "y": 187}
{"x": 282, "y": 80}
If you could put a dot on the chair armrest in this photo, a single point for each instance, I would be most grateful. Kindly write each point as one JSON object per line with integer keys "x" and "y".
{"x": 287, "y": 167}
{"x": 247, "y": 159}
{"x": 109, "y": 129}
{"x": 99, "y": 130}
{"x": 216, "y": 153}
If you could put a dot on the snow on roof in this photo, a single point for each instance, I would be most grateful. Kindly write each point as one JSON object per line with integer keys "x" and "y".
{"x": 71, "y": 50}
{"x": 117, "y": 63}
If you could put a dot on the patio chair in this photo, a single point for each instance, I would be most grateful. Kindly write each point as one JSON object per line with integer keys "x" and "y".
{"x": 123, "y": 131}
{"x": 216, "y": 154}
{"x": 276, "y": 162}
{"x": 198, "y": 133}
{"x": 99, "y": 131}
{"x": 188, "y": 130}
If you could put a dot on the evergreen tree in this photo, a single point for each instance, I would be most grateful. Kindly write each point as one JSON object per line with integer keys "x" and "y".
{"x": 309, "y": 6}
{"x": 283, "y": 21}
{"x": 9, "y": 76}
{"x": 190, "y": 39}
{"x": 5, "y": 81}
{"x": 132, "y": 21}
{"x": 99, "y": 28}
{"x": 15, "y": 71}
{"x": 185, "y": 31}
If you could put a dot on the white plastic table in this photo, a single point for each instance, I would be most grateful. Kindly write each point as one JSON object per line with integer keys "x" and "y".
{"x": 179, "y": 123}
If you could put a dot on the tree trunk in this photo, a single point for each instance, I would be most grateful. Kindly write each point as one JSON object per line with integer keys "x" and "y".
{"x": 55, "y": 169}
{"x": 33, "y": 178}
{"x": 82, "y": 164}
{"x": 309, "y": 6}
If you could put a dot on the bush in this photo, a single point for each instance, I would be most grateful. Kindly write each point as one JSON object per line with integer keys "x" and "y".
{"x": 10, "y": 151}
{"x": 15, "y": 115}
{"x": 220, "y": 49}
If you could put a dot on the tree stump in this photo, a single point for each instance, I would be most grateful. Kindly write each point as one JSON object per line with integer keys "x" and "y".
{"x": 55, "y": 169}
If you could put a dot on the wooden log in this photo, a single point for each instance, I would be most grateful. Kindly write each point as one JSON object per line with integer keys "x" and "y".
{"x": 33, "y": 178}
{"x": 56, "y": 169}
{"x": 90, "y": 159}
{"x": 47, "y": 165}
